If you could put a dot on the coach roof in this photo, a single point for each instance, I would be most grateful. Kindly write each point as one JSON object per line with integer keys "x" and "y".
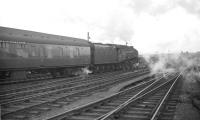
{"x": 11, "y": 34}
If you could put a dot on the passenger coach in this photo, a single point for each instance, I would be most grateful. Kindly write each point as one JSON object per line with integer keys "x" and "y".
{"x": 23, "y": 51}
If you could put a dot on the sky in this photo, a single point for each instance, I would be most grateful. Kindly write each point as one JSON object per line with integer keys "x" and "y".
{"x": 151, "y": 26}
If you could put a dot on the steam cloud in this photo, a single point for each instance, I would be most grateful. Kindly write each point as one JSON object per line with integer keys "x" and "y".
{"x": 83, "y": 72}
{"x": 86, "y": 71}
{"x": 183, "y": 62}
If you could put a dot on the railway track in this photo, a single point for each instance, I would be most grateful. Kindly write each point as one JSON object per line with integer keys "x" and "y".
{"x": 44, "y": 82}
{"x": 38, "y": 78}
{"x": 100, "y": 108}
{"x": 8, "y": 81}
{"x": 38, "y": 105}
{"x": 147, "y": 106}
{"x": 10, "y": 95}
{"x": 167, "y": 107}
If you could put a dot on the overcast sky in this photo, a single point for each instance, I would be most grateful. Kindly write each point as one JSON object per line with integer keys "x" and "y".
{"x": 149, "y": 25}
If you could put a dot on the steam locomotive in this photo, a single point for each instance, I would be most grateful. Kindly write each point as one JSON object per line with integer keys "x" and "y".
{"x": 25, "y": 52}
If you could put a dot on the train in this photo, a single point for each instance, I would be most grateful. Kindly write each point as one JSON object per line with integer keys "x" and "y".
{"x": 26, "y": 52}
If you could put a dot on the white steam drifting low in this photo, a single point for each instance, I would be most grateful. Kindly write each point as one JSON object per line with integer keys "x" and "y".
{"x": 83, "y": 72}
{"x": 183, "y": 62}
{"x": 86, "y": 71}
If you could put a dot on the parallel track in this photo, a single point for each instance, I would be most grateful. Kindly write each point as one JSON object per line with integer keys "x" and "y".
{"x": 11, "y": 88}
{"x": 48, "y": 88}
{"x": 36, "y": 106}
{"x": 167, "y": 107}
{"x": 99, "y": 109}
{"x": 38, "y": 78}
{"x": 147, "y": 106}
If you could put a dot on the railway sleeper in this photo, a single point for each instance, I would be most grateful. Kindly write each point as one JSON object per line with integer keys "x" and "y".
{"x": 55, "y": 105}
{"x": 43, "y": 108}
{"x": 62, "y": 102}
{"x": 93, "y": 114}
{"x": 145, "y": 106}
{"x": 166, "y": 118}
{"x": 83, "y": 117}
{"x": 133, "y": 117}
{"x": 21, "y": 117}
{"x": 139, "y": 112}
{"x": 34, "y": 112}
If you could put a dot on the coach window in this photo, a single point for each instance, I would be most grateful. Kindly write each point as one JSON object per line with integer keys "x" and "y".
{"x": 61, "y": 51}
{"x": 1, "y": 44}
{"x": 21, "y": 45}
{"x": 18, "y": 46}
{"x": 4, "y": 44}
{"x": 25, "y": 45}
{"x": 33, "y": 51}
{"x": 78, "y": 51}
{"x": 41, "y": 51}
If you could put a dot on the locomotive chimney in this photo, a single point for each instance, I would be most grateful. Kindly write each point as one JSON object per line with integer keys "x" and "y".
{"x": 126, "y": 43}
{"x": 88, "y": 36}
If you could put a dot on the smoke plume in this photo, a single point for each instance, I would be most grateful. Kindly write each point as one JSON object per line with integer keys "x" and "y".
{"x": 186, "y": 63}
{"x": 172, "y": 62}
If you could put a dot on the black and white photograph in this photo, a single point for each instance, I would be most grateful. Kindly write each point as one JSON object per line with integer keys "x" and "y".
{"x": 100, "y": 59}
